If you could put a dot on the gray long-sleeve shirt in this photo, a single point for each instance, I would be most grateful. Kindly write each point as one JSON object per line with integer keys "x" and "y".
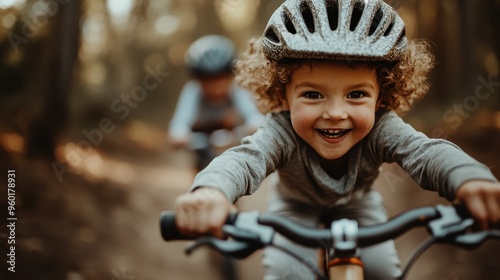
{"x": 435, "y": 164}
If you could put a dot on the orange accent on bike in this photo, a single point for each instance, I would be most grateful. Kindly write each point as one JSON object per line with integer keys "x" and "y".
{"x": 342, "y": 261}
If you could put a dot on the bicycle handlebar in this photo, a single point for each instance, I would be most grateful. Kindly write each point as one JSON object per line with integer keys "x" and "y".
{"x": 252, "y": 231}
{"x": 366, "y": 235}
{"x": 313, "y": 237}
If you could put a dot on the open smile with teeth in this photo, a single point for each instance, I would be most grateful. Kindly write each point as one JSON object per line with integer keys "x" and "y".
{"x": 333, "y": 133}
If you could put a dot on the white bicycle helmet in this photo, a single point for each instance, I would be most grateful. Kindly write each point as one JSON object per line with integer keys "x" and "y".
{"x": 335, "y": 29}
{"x": 210, "y": 55}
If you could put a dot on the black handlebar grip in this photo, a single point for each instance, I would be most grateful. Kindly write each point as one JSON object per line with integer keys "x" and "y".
{"x": 169, "y": 230}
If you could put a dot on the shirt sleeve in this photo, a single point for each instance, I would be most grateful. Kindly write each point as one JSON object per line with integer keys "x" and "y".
{"x": 245, "y": 104}
{"x": 240, "y": 170}
{"x": 435, "y": 164}
{"x": 185, "y": 110}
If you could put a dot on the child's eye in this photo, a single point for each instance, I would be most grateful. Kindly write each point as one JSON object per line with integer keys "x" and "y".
{"x": 312, "y": 95}
{"x": 356, "y": 94}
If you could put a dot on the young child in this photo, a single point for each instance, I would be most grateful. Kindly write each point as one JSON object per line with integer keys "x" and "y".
{"x": 211, "y": 109}
{"x": 332, "y": 75}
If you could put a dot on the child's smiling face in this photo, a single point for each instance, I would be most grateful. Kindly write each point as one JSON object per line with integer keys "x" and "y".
{"x": 332, "y": 105}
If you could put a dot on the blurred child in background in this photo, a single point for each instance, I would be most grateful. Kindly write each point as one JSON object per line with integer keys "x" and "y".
{"x": 212, "y": 113}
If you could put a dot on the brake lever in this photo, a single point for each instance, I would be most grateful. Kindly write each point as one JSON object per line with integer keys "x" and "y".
{"x": 471, "y": 241}
{"x": 249, "y": 236}
{"x": 236, "y": 249}
{"x": 241, "y": 235}
{"x": 450, "y": 223}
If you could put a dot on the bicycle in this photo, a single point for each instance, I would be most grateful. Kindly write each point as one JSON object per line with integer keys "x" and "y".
{"x": 252, "y": 231}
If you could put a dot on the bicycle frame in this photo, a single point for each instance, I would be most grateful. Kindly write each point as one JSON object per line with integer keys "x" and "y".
{"x": 344, "y": 263}
{"x": 345, "y": 269}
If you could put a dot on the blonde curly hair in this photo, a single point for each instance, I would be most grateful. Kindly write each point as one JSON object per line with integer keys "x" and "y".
{"x": 401, "y": 82}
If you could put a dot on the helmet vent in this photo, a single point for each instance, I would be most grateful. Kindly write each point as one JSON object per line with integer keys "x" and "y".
{"x": 271, "y": 36}
{"x": 389, "y": 29}
{"x": 307, "y": 15}
{"x": 332, "y": 11}
{"x": 376, "y": 21}
{"x": 401, "y": 38}
{"x": 356, "y": 15}
{"x": 288, "y": 24}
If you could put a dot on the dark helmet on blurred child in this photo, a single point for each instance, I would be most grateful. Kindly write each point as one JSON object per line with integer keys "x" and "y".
{"x": 209, "y": 56}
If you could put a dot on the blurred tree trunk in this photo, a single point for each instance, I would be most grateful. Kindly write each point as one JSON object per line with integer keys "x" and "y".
{"x": 434, "y": 30}
{"x": 468, "y": 27}
{"x": 495, "y": 25}
{"x": 61, "y": 46}
{"x": 495, "y": 18}
{"x": 451, "y": 49}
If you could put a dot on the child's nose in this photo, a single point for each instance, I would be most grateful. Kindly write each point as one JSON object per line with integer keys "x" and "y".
{"x": 334, "y": 111}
